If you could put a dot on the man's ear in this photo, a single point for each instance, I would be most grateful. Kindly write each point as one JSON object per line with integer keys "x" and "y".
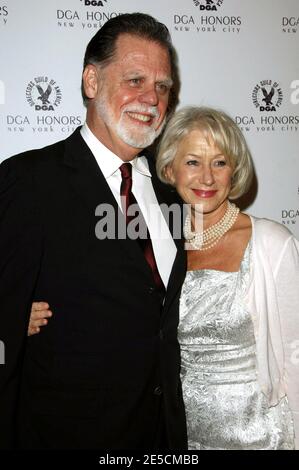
{"x": 90, "y": 80}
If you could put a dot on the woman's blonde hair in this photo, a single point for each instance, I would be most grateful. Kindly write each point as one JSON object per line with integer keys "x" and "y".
{"x": 216, "y": 126}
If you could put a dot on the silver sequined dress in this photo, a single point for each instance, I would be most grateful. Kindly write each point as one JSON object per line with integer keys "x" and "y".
{"x": 225, "y": 407}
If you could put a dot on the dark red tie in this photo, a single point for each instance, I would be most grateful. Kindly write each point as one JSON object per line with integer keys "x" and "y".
{"x": 128, "y": 199}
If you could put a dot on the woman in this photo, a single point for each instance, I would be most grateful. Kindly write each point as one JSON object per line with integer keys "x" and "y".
{"x": 239, "y": 307}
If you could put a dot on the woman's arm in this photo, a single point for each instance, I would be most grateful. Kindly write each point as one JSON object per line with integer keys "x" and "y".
{"x": 287, "y": 284}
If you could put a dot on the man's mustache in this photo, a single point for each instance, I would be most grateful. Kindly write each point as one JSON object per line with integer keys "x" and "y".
{"x": 152, "y": 110}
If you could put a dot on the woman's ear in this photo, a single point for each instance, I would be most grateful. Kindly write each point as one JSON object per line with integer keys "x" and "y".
{"x": 169, "y": 174}
{"x": 90, "y": 80}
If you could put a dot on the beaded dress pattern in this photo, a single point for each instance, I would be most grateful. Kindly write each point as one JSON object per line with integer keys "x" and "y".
{"x": 225, "y": 407}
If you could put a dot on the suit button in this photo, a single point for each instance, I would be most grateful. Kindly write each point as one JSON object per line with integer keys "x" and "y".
{"x": 151, "y": 290}
{"x": 161, "y": 335}
{"x": 158, "y": 391}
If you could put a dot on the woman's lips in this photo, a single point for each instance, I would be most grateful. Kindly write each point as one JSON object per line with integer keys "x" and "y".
{"x": 204, "y": 194}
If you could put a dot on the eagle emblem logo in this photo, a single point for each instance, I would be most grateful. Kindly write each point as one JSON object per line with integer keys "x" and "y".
{"x": 43, "y": 94}
{"x": 209, "y": 5}
{"x": 267, "y": 95}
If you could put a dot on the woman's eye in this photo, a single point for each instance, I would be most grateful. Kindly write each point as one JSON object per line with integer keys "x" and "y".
{"x": 192, "y": 162}
{"x": 220, "y": 163}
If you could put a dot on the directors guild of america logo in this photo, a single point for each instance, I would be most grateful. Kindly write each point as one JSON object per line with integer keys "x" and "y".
{"x": 208, "y": 5}
{"x": 267, "y": 95}
{"x": 93, "y": 3}
{"x": 43, "y": 94}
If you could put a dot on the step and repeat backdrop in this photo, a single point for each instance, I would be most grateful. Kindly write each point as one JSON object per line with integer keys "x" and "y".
{"x": 237, "y": 55}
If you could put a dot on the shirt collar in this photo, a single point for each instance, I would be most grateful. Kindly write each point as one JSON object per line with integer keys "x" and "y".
{"x": 140, "y": 164}
{"x": 108, "y": 162}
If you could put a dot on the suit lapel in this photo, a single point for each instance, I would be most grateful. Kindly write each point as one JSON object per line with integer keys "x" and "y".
{"x": 89, "y": 183}
{"x": 85, "y": 176}
{"x": 167, "y": 196}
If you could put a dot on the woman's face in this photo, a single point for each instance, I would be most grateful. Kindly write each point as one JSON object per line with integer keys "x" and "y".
{"x": 201, "y": 173}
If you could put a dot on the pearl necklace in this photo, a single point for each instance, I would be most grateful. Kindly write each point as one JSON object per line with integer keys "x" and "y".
{"x": 210, "y": 237}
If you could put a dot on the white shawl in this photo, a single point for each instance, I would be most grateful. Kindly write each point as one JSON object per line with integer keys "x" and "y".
{"x": 273, "y": 300}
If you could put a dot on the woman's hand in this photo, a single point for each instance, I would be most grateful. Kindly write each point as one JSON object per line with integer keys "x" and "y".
{"x": 40, "y": 311}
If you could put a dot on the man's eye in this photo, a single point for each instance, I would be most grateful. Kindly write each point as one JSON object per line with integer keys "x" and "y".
{"x": 162, "y": 88}
{"x": 135, "y": 81}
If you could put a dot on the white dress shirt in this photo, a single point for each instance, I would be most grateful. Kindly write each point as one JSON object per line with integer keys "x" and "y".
{"x": 142, "y": 188}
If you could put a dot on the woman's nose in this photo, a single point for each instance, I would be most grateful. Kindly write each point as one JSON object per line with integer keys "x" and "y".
{"x": 207, "y": 176}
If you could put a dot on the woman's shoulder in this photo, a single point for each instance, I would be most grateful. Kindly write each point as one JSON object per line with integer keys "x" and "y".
{"x": 270, "y": 231}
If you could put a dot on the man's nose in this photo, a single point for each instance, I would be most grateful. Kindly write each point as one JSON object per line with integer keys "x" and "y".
{"x": 149, "y": 96}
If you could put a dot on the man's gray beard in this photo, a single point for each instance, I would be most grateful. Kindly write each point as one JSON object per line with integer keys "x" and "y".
{"x": 140, "y": 142}
{"x": 126, "y": 131}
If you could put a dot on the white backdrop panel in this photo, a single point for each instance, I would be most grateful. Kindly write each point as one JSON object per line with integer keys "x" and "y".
{"x": 225, "y": 53}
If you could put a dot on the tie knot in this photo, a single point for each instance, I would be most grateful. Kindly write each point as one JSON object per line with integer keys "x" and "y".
{"x": 126, "y": 170}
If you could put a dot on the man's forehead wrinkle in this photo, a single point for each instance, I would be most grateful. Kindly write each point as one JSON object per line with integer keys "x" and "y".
{"x": 131, "y": 58}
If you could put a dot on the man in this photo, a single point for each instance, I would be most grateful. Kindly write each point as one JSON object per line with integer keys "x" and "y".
{"x": 105, "y": 372}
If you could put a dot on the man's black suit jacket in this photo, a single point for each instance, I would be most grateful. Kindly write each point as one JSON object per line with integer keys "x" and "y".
{"x": 100, "y": 373}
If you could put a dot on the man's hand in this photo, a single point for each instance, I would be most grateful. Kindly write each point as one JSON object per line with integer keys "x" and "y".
{"x": 40, "y": 311}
